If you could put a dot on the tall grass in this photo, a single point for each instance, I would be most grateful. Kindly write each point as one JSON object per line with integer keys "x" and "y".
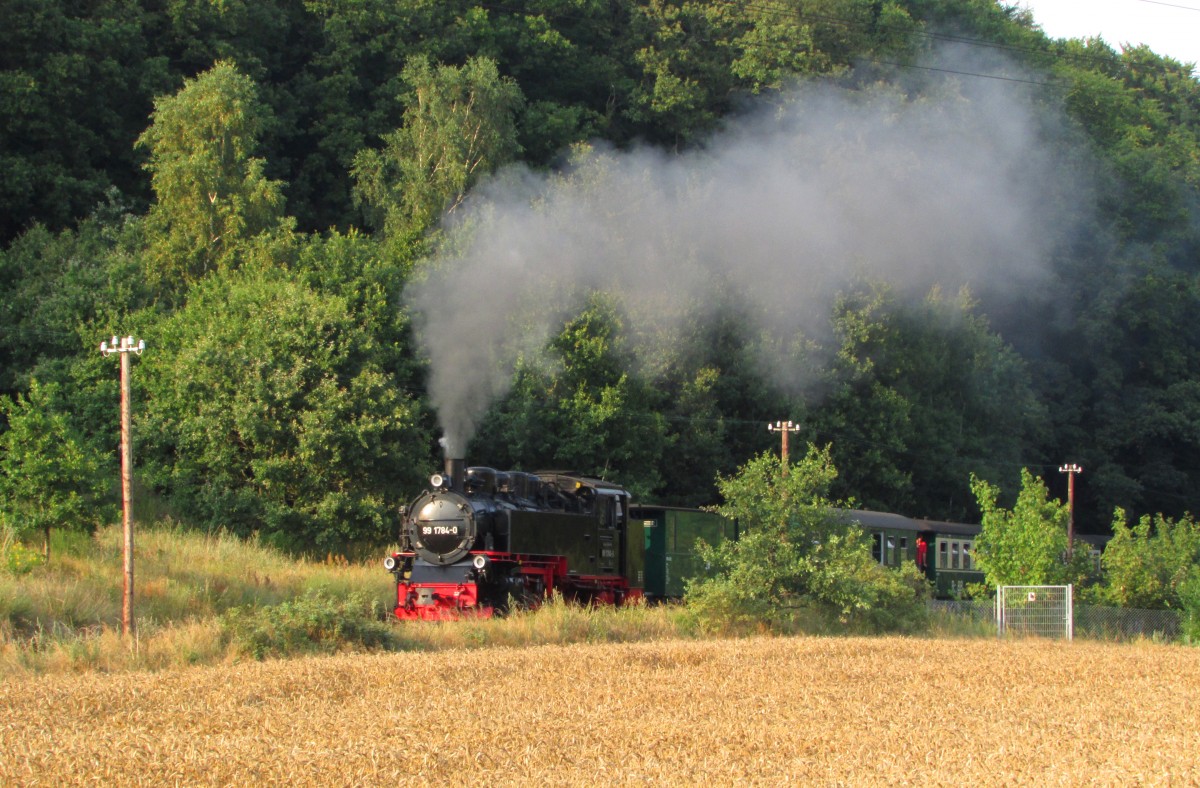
{"x": 66, "y": 615}
{"x": 554, "y": 623}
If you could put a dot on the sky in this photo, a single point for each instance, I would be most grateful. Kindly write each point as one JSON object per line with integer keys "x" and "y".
{"x": 1169, "y": 27}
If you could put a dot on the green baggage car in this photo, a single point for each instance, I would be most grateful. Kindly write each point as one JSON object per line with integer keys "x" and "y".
{"x": 671, "y": 536}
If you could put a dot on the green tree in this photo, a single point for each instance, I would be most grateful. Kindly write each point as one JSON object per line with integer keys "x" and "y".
{"x": 75, "y": 86}
{"x": 715, "y": 400}
{"x": 459, "y": 125}
{"x": 211, "y": 191}
{"x": 59, "y": 292}
{"x": 798, "y": 559}
{"x": 1149, "y": 565}
{"x": 1026, "y": 545}
{"x": 49, "y": 477}
{"x": 273, "y": 410}
{"x": 914, "y": 391}
{"x": 578, "y": 407}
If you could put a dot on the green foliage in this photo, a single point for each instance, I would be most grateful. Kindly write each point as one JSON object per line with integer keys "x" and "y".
{"x": 1150, "y": 565}
{"x": 313, "y": 623}
{"x": 915, "y": 389}
{"x": 579, "y": 408}
{"x": 458, "y": 126}
{"x": 58, "y": 292}
{"x": 256, "y": 94}
{"x": 16, "y": 558}
{"x": 1026, "y": 545}
{"x": 897, "y": 602}
{"x": 714, "y": 402}
{"x": 74, "y": 83}
{"x": 798, "y": 560}
{"x": 272, "y": 409}
{"x": 1142, "y": 352}
{"x": 684, "y": 82}
{"x": 1189, "y": 597}
{"x": 49, "y": 478}
{"x": 211, "y": 191}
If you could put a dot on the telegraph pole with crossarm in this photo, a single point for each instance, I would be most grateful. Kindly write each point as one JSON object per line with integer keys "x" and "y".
{"x": 1070, "y": 470}
{"x": 124, "y": 346}
{"x": 784, "y": 427}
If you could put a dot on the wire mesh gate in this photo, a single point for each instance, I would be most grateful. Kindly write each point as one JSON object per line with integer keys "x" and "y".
{"x": 1041, "y": 611}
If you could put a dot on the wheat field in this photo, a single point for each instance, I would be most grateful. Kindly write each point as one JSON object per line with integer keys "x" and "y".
{"x": 855, "y": 711}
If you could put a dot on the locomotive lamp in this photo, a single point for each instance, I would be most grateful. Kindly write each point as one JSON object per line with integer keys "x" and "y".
{"x": 125, "y": 346}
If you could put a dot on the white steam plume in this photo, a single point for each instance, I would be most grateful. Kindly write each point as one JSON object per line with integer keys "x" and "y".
{"x": 774, "y": 214}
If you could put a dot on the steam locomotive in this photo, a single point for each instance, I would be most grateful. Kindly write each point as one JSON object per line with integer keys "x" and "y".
{"x": 480, "y": 539}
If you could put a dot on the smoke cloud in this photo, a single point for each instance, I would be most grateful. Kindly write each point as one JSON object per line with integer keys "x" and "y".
{"x": 957, "y": 185}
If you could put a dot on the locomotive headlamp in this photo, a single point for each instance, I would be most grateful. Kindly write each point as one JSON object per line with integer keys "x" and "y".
{"x": 437, "y": 481}
{"x": 481, "y": 562}
{"x": 389, "y": 563}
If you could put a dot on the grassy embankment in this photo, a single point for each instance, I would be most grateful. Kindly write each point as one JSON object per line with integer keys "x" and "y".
{"x": 203, "y": 599}
{"x": 211, "y": 599}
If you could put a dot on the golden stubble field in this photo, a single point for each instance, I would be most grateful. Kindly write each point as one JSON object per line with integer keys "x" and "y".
{"x": 768, "y": 711}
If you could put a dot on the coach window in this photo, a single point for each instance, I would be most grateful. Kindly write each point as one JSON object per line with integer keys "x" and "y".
{"x": 877, "y": 547}
{"x": 954, "y": 555}
{"x": 902, "y": 555}
{"x": 942, "y": 563}
{"x": 966, "y": 555}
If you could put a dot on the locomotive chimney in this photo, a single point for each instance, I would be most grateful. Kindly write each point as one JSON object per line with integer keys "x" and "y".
{"x": 456, "y": 472}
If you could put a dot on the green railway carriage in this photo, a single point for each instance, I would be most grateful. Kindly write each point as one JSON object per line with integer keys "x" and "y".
{"x": 952, "y": 564}
{"x": 943, "y": 551}
{"x": 671, "y": 536}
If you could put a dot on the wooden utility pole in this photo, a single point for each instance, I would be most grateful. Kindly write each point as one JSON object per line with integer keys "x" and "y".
{"x": 1070, "y": 470}
{"x": 784, "y": 427}
{"x": 124, "y": 346}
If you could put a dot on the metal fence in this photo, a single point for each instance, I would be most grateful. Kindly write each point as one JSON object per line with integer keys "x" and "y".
{"x": 1091, "y": 621}
{"x": 1041, "y": 611}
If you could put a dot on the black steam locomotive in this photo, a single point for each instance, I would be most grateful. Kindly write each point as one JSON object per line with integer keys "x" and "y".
{"x": 480, "y": 539}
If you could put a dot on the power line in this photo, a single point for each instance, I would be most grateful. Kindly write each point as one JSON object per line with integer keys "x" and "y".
{"x": 966, "y": 73}
{"x": 1172, "y": 5}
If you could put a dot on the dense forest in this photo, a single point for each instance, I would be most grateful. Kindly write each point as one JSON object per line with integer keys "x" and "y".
{"x": 615, "y": 236}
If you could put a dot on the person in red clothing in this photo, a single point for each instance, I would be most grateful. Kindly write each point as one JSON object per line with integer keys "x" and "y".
{"x": 922, "y": 549}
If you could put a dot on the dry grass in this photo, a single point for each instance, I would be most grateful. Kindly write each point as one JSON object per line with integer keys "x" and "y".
{"x": 65, "y": 617}
{"x": 764, "y": 710}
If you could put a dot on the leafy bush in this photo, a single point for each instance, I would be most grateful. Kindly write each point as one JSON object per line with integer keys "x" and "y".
{"x": 274, "y": 411}
{"x": 1147, "y": 565}
{"x": 898, "y": 602}
{"x": 1189, "y": 594}
{"x": 19, "y": 559}
{"x": 800, "y": 564}
{"x": 1027, "y": 544}
{"x": 313, "y": 623}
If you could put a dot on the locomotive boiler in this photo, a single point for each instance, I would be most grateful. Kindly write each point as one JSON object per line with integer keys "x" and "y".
{"x": 480, "y": 540}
